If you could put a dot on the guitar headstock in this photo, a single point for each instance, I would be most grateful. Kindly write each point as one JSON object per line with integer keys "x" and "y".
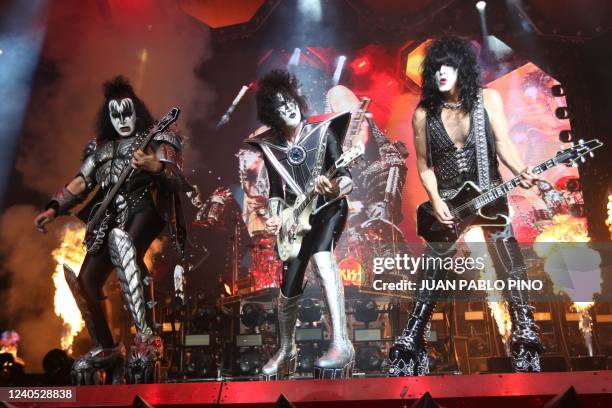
{"x": 168, "y": 119}
{"x": 350, "y": 156}
{"x": 578, "y": 151}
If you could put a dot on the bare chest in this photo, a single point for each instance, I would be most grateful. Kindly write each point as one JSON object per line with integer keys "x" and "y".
{"x": 457, "y": 126}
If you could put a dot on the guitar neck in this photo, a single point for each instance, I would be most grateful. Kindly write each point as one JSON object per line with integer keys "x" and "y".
{"x": 125, "y": 173}
{"x": 312, "y": 194}
{"x": 505, "y": 188}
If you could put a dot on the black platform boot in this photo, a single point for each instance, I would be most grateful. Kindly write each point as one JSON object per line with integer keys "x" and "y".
{"x": 109, "y": 361}
{"x": 408, "y": 356}
{"x": 525, "y": 343}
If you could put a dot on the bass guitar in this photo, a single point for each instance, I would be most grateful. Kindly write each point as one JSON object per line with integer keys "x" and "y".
{"x": 97, "y": 225}
{"x": 471, "y": 207}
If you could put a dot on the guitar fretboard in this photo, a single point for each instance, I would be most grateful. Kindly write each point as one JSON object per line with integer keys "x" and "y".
{"x": 503, "y": 189}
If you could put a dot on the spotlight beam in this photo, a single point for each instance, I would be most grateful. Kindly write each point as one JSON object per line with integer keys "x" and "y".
{"x": 20, "y": 42}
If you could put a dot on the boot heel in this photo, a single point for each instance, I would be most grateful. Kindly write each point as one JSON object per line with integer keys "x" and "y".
{"x": 285, "y": 370}
{"x": 346, "y": 371}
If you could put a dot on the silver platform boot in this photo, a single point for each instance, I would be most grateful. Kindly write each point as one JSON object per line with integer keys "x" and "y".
{"x": 99, "y": 365}
{"x": 339, "y": 359}
{"x": 145, "y": 354}
{"x": 284, "y": 362}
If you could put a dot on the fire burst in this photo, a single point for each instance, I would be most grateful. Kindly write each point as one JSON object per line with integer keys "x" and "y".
{"x": 71, "y": 252}
{"x": 475, "y": 239}
{"x": 585, "y": 324}
{"x": 575, "y": 254}
{"x": 609, "y": 220}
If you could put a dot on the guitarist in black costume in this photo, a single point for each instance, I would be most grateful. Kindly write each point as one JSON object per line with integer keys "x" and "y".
{"x": 460, "y": 130}
{"x": 146, "y": 202}
{"x": 297, "y": 151}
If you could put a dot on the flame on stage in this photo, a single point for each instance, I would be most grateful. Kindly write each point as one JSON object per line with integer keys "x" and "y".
{"x": 71, "y": 252}
{"x": 475, "y": 239}
{"x": 573, "y": 234}
{"x": 609, "y": 220}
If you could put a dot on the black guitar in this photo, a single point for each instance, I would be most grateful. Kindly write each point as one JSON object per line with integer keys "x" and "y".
{"x": 471, "y": 207}
{"x": 99, "y": 222}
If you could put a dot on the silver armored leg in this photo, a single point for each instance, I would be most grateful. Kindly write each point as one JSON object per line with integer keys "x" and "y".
{"x": 145, "y": 353}
{"x": 284, "y": 362}
{"x": 339, "y": 359}
{"x": 87, "y": 368}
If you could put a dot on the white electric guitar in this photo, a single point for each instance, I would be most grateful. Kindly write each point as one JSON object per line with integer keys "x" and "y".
{"x": 295, "y": 220}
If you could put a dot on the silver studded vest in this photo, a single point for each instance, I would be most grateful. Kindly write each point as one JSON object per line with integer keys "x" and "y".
{"x": 454, "y": 166}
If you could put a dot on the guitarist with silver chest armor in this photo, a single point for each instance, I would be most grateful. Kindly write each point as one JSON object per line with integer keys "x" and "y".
{"x": 297, "y": 153}
{"x": 459, "y": 132}
{"x": 143, "y": 204}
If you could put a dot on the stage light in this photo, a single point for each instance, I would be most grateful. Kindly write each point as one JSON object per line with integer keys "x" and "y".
{"x": 557, "y": 90}
{"x": 311, "y": 9}
{"x": 566, "y": 136}
{"x": 361, "y": 65}
{"x": 366, "y": 311}
{"x": 562, "y": 112}
{"x": 253, "y": 315}
{"x": 199, "y": 362}
{"x": 338, "y": 71}
{"x": 369, "y": 358}
{"x": 21, "y": 42}
{"x": 295, "y": 58}
{"x": 250, "y": 362}
{"x": 309, "y": 311}
{"x": 481, "y": 5}
{"x": 1, "y": 52}
{"x": 307, "y": 357}
{"x": 201, "y": 319}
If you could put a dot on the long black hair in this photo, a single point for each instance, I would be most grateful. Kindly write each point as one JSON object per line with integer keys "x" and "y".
{"x": 118, "y": 88}
{"x": 458, "y": 53}
{"x": 273, "y": 83}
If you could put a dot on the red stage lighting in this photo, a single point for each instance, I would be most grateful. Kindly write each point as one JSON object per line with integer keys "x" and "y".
{"x": 361, "y": 65}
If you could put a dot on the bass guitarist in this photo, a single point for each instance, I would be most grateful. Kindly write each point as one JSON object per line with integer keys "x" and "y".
{"x": 459, "y": 132}
{"x": 297, "y": 152}
{"x": 145, "y": 203}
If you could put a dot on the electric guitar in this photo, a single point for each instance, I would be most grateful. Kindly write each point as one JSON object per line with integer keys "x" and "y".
{"x": 471, "y": 207}
{"x": 295, "y": 220}
{"x": 98, "y": 224}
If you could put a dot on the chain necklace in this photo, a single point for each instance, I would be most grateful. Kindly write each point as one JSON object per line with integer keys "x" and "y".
{"x": 452, "y": 105}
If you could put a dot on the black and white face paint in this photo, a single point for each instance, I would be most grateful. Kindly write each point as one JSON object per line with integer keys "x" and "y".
{"x": 122, "y": 116}
{"x": 288, "y": 110}
{"x": 446, "y": 78}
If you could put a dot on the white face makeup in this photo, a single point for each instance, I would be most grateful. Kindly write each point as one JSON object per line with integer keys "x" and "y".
{"x": 446, "y": 78}
{"x": 289, "y": 111}
{"x": 122, "y": 116}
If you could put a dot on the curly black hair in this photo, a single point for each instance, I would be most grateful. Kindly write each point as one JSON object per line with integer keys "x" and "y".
{"x": 275, "y": 82}
{"x": 118, "y": 88}
{"x": 458, "y": 53}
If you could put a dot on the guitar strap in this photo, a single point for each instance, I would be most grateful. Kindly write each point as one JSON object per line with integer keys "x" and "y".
{"x": 482, "y": 154}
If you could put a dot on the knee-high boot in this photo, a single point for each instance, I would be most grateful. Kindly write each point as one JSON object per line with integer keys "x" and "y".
{"x": 144, "y": 355}
{"x": 86, "y": 369}
{"x": 284, "y": 362}
{"x": 339, "y": 359}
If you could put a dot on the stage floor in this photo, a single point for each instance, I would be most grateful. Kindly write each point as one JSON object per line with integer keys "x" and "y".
{"x": 594, "y": 389}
